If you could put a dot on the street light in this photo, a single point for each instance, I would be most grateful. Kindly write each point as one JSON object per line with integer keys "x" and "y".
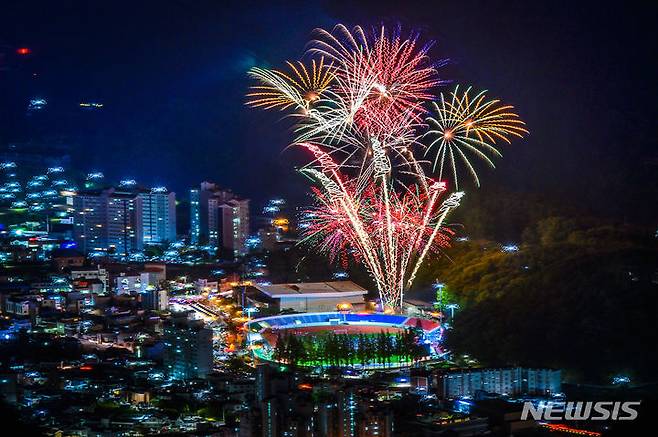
{"x": 452, "y": 307}
{"x": 249, "y": 311}
{"x": 439, "y": 286}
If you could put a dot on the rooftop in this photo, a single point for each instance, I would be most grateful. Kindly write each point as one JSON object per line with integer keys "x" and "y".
{"x": 313, "y": 289}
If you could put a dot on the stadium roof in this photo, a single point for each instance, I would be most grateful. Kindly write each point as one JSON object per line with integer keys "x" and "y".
{"x": 312, "y": 289}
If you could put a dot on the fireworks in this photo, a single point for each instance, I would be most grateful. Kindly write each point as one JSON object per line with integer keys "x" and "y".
{"x": 396, "y": 72}
{"x": 360, "y": 117}
{"x": 281, "y": 90}
{"x": 463, "y": 126}
{"x": 395, "y": 232}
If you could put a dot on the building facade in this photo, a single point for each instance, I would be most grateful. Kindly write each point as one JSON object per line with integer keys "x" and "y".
{"x": 124, "y": 223}
{"x": 108, "y": 221}
{"x": 188, "y": 350}
{"x": 503, "y": 381}
{"x": 90, "y": 219}
{"x": 154, "y": 299}
{"x": 235, "y": 226}
{"x": 219, "y": 218}
{"x": 99, "y": 274}
{"x": 347, "y": 413}
{"x": 303, "y": 297}
{"x": 195, "y": 216}
{"x": 158, "y": 216}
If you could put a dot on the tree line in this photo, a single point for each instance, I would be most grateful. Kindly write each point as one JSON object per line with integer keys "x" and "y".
{"x": 332, "y": 349}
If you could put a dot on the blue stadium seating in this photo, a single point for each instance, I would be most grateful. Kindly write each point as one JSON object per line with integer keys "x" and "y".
{"x": 325, "y": 318}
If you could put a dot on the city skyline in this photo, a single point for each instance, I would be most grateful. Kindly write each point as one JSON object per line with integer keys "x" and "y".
{"x": 122, "y": 218}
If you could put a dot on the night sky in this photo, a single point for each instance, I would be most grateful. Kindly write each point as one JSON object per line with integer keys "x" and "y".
{"x": 172, "y": 77}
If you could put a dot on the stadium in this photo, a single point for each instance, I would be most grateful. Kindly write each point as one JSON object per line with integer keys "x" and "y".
{"x": 356, "y": 340}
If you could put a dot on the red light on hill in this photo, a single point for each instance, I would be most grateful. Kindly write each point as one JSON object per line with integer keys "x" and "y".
{"x": 23, "y": 51}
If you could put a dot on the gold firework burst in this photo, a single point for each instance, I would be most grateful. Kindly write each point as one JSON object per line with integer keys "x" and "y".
{"x": 300, "y": 88}
{"x": 463, "y": 125}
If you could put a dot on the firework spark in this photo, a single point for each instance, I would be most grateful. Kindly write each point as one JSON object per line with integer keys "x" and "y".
{"x": 390, "y": 231}
{"x": 396, "y": 71}
{"x": 463, "y": 125}
{"x": 361, "y": 118}
{"x": 300, "y": 88}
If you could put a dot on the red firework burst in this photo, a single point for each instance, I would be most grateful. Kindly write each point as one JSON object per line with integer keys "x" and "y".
{"x": 329, "y": 226}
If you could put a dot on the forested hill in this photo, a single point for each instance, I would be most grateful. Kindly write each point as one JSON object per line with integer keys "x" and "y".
{"x": 579, "y": 294}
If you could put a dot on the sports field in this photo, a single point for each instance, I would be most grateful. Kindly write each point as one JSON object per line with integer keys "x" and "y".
{"x": 272, "y": 334}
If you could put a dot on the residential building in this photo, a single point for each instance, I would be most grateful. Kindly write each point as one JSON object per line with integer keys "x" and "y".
{"x": 92, "y": 274}
{"x": 219, "y": 218}
{"x": 154, "y": 299}
{"x": 108, "y": 221}
{"x": 127, "y": 284}
{"x": 18, "y": 306}
{"x": 67, "y": 258}
{"x": 347, "y": 413}
{"x": 188, "y": 349}
{"x": 195, "y": 216}
{"x": 137, "y": 283}
{"x": 376, "y": 422}
{"x": 158, "y": 216}
{"x": 502, "y": 381}
{"x": 234, "y": 226}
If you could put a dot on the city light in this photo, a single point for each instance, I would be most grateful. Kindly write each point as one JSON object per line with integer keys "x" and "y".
{"x": 91, "y": 105}
{"x": 344, "y": 306}
{"x": 271, "y": 209}
{"x": 621, "y": 379}
{"x": 253, "y": 242}
{"x": 19, "y": 204}
{"x": 95, "y": 176}
{"x": 37, "y": 104}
